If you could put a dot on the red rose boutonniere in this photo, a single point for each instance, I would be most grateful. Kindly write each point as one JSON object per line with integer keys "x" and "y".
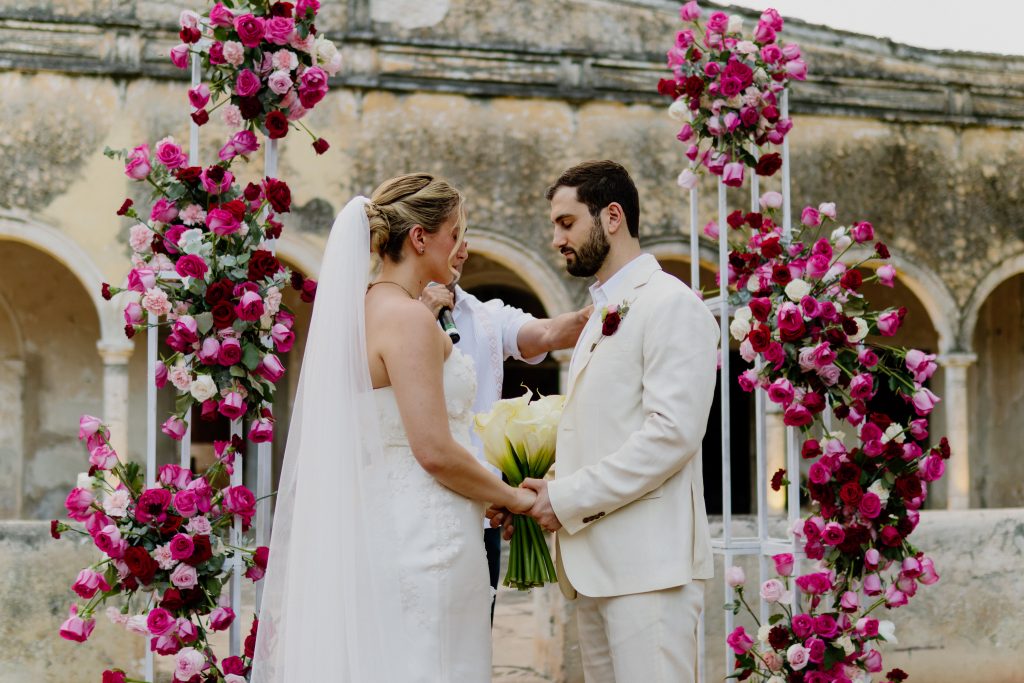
{"x": 611, "y": 317}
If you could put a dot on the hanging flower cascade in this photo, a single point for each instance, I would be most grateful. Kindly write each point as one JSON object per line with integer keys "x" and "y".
{"x": 266, "y": 64}
{"x": 801, "y": 316}
{"x": 725, "y": 90}
{"x": 164, "y": 555}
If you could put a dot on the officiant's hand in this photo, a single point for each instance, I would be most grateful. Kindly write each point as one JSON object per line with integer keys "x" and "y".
{"x": 501, "y": 517}
{"x": 542, "y": 510}
{"x": 435, "y": 297}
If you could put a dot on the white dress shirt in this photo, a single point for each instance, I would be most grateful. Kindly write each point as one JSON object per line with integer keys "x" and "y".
{"x": 488, "y": 333}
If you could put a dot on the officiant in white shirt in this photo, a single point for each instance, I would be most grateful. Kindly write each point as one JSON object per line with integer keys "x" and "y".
{"x": 491, "y": 332}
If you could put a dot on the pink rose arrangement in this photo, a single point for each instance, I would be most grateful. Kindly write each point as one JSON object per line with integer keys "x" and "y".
{"x": 726, "y": 90}
{"x": 201, "y": 263}
{"x": 266, "y": 64}
{"x": 163, "y": 554}
{"x": 802, "y": 315}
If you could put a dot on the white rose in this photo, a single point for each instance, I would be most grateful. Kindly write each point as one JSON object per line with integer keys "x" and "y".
{"x": 743, "y": 313}
{"x": 762, "y": 633}
{"x": 85, "y": 481}
{"x": 893, "y": 431}
{"x": 797, "y": 289}
{"x": 679, "y": 110}
{"x": 887, "y": 630}
{"x": 745, "y": 47}
{"x": 754, "y": 283}
{"x": 739, "y": 329}
{"x": 843, "y": 243}
{"x": 776, "y": 679}
{"x": 203, "y": 388}
{"x": 847, "y": 644}
{"x": 137, "y": 624}
{"x": 687, "y": 180}
{"x": 735, "y": 23}
{"x": 879, "y": 489}
{"x": 760, "y": 76}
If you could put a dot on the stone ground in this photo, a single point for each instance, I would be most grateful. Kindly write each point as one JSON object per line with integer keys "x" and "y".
{"x": 514, "y": 638}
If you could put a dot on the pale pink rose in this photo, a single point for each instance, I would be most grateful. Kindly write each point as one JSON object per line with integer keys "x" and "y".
{"x": 797, "y": 656}
{"x": 188, "y": 663}
{"x": 140, "y": 238}
{"x": 156, "y": 302}
{"x": 928, "y": 574}
{"x": 279, "y": 82}
{"x": 770, "y": 200}
{"x": 285, "y": 60}
{"x": 772, "y": 660}
{"x": 850, "y": 601}
{"x": 283, "y": 337}
{"x": 921, "y": 364}
{"x": 889, "y": 323}
{"x": 234, "y": 678}
{"x": 333, "y": 65}
{"x": 187, "y": 631}
{"x": 188, "y": 19}
{"x": 209, "y": 351}
{"x": 174, "y": 428}
{"x": 231, "y": 116}
{"x": 199, "y": 526}
{"x": 184, "y": 576}
{"x": 827, "y": 209}
{"x": 88, "y": 425}
{"x": 873, "y": 661}
{"x": 295, "y": 110}
{"x": 772, "y": 590}
{"x": 163, "y": 557}
{"x": 735, "y": 577}
{"x": 180, "y": 377}
{"x": 234, "y": 53}
{"x": 886, "y": 275}
{"x": 690, "y": 11}
{"x": 102, "y": 457}
{"x": 116, "y": 503}
{"x": 810, "y": 217}
{"x": 137, "y": 165}
{"x": 179, "y": 55}
{"x": 687, "y": 180}
{"x": 796, "y": 69}
{"x": 137, "y": 624}
{"x": 872, "y": 584}
{"x": 303, "y": 44}
{"x": 747, "y": 351}
{"x": 115, "y": 616}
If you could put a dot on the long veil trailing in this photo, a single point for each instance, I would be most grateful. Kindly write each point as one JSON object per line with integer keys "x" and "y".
{"x": 331, "y": 607}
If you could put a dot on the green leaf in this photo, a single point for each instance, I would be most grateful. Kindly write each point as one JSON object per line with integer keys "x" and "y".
{"x": 238, "y": 371}
{"x": 250, "y": 355}
{"x": 204, "y": 321}
{"x": 775, "y": 618}
{"x": 183, "y": 403}
{"x": 833, "y": 655}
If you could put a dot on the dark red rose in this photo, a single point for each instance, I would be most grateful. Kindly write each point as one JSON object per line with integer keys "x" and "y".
{"x": 105, "y": 291}
{"x": 908, "y": 486}
{"x": 610, "y": 323}
{"x": 209, "y": 410}
{"x": 189, "y": 174}
{"x": 810, "y": 449}
{"x": 252, "y": 192}
{"x": 892, "y": 451}
{"x": 852, "y": 280}
{"x": 189, "y": 35}
{"x": 821, "y": 493}
{"x": 171, "y": 525}
{"x": 841, "y": 411}
{"x": 172, "y": 600}
{"x": 276, "y": 124}
{"x": 814, "y": 402}
{"x": 282, "y": 9}
{"x": 113, "y": 676}
{"x": 760, "y": 308}
{"x": 250, "y": 641}
{"x": 793, "y": 334}
{"x": 124, "y": 207}
{"x": 897, "y": 675}
{"x": 278, "y": 194}
{"x": 54, "y": 528}
{"x": 754, "y": 220}
{"x": 882, "y": 250}
{"x": 694, "y": 86}
{"x": 202, "y": 551}
{"x": 835, "y": 336}
{"x": 261, "y": 556}
{"x": 236, "y": 207}
{"x": 856, "y": 536}
{"x": 944, "y": 448}
{"x": 777, "y": 479}
{"x": 771, "y": 248}
{"x": 233, "y": 665}
{"x": 771, "y": 114}
{"x": 760, "y": 338}
{"x": 223, "y": 314}
{"x": 320, "y": 145}
{"x": 296, "y": 280}
{"x": 735, "y": 220}
{"x": 849, "y": 325}
{"x": 308, "y": 293}
{"x": 140, "y": 564}
{"x": 219, "y": 291}
{"x": 881, "y": 419}
{"x": 851, "y": 493}
{"x": 667, "y": 87}
{"x": 262, "y": 264}
{"x": 778, "y": 637}
{"x": 768, "y": 164}
{"x": 200, "y": 117}
{"x": 159, "y": 245}
{"x": 273, "y": 229}
{"x": 251, "y": 107}
{"x": 781, "y": 274}
{"x": 847, "y": 472}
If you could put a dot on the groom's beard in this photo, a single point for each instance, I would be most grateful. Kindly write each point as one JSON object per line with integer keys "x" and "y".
{"x": 591, "y": 256}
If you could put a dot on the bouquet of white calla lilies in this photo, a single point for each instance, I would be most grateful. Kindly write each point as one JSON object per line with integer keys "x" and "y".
{"x": 519, "y": 439}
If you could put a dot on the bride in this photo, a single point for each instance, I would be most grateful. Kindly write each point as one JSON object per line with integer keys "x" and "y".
{"x": 377, "y": 573}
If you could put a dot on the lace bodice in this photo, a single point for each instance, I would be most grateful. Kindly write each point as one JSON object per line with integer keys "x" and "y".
{"x": 459, "y": 394}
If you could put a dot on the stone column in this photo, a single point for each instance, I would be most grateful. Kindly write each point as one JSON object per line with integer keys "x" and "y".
{"x": 115, "y": 355}
{"x": 955, "y": 365}
{"x": 12, "y": 445}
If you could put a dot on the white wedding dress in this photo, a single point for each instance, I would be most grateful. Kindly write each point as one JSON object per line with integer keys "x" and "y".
{"x": 442, "y": 566}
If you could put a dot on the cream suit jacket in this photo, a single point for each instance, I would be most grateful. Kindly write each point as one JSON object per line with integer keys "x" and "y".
{"x": 628, "y": 487}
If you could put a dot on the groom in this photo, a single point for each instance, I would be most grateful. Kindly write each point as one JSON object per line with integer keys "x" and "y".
{"x": 627, "y": 500}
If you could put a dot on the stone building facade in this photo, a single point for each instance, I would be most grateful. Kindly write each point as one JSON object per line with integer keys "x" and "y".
{"x": 498, "y": 97}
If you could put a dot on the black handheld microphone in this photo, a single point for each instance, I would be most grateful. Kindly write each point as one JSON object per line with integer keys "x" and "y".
{"x": 444, "y": 316}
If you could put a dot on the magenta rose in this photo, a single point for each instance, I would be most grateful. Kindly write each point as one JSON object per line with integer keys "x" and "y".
{"x": 889, "y": 323}
{"x": 230, "y": 352}
{"x": 732, "y": 174}
{"x": 862, "y": 386}
{"x": 222, "y": 222}
{"x": 739, "y": 641}
{"x": 783, "y": 564}
{"x": 249, "y": 307}
{"x": 283, "y": 337}
{"x": 78, "y": 504}
{"x": 221, "y": 618}
{"x": 186, "y": 502}
{"x": 88, "y": 583}
{"x": 216, "y": 179}
{"x": 179, "y": 55}
{"x": 191, "y": 265}
{"x": 221, "y": 16}
{"x": 232, "y": 406}
{"x": 174, "y": 428}
{"x": 870, "y": 506}
{"x": 247, "y": 84}
{"x": 833, "y": 534}
{"x": 160, "y": 622}
{"x": 803, "y": 625}
{"x": 250, "y": 29}
{"x": 181, "y": 546}
{"x": 261, "y": 431}
{"x": 75, "y": 628}
{"x": 164, "y": 210}
{"x": 797, "y": 416}
{"x": 924, "y": 401}
{"x": 862, "y": 232}
{"x": 239, "y": 500}
{"x": 137, "y": 166}
{"x": 209, "y": 351}
{"x": 242, "y": 142}
{"x": 270, "y": 368}
{"x": 815, "y": 583}
{"x": 279, "y": 30}
{"x": 170, "y": 155}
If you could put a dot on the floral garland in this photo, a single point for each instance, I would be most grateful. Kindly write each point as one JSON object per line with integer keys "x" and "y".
{"x": 164, "y": 550}
{"x": 802, "y": 319}
{"x": 725, "y": 88}
{"x": 267, "y": 65}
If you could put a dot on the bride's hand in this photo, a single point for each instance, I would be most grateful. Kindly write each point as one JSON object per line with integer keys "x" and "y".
{"x": 522, "y": 500}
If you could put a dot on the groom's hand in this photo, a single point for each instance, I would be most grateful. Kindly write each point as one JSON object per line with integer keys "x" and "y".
{"x": 542, "y": 510}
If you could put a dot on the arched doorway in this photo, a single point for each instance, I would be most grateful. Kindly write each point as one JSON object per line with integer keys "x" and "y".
{"x": 996, "y": 394}
{"x": 51, "y": 374}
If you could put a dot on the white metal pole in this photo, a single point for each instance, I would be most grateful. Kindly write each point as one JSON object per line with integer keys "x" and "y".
{"x": 235, "y": 633}
{"x": 726, "y": 453}
{"x": 193, "y": 133}
{"x": 152, "y": 339}
{"x": 787, "y": 211}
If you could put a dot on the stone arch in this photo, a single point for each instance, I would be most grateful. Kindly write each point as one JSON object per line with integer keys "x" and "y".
{"x": 49, "y": 240}
{"x": 1004, "y": 271}
{"x": 930, "y": 290}
{"x": 305, "y": 256}
{"x": 9, "y": 321}
{"x": 533, "y": 270}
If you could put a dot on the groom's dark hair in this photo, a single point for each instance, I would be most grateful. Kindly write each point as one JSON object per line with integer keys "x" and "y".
{"x": 598, "y": 184}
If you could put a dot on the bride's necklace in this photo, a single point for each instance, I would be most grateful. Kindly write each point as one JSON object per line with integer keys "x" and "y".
{"x": 391, "y": 282}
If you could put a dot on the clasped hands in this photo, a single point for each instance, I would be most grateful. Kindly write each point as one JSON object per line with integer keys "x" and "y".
{"x": 541, "y": 510}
